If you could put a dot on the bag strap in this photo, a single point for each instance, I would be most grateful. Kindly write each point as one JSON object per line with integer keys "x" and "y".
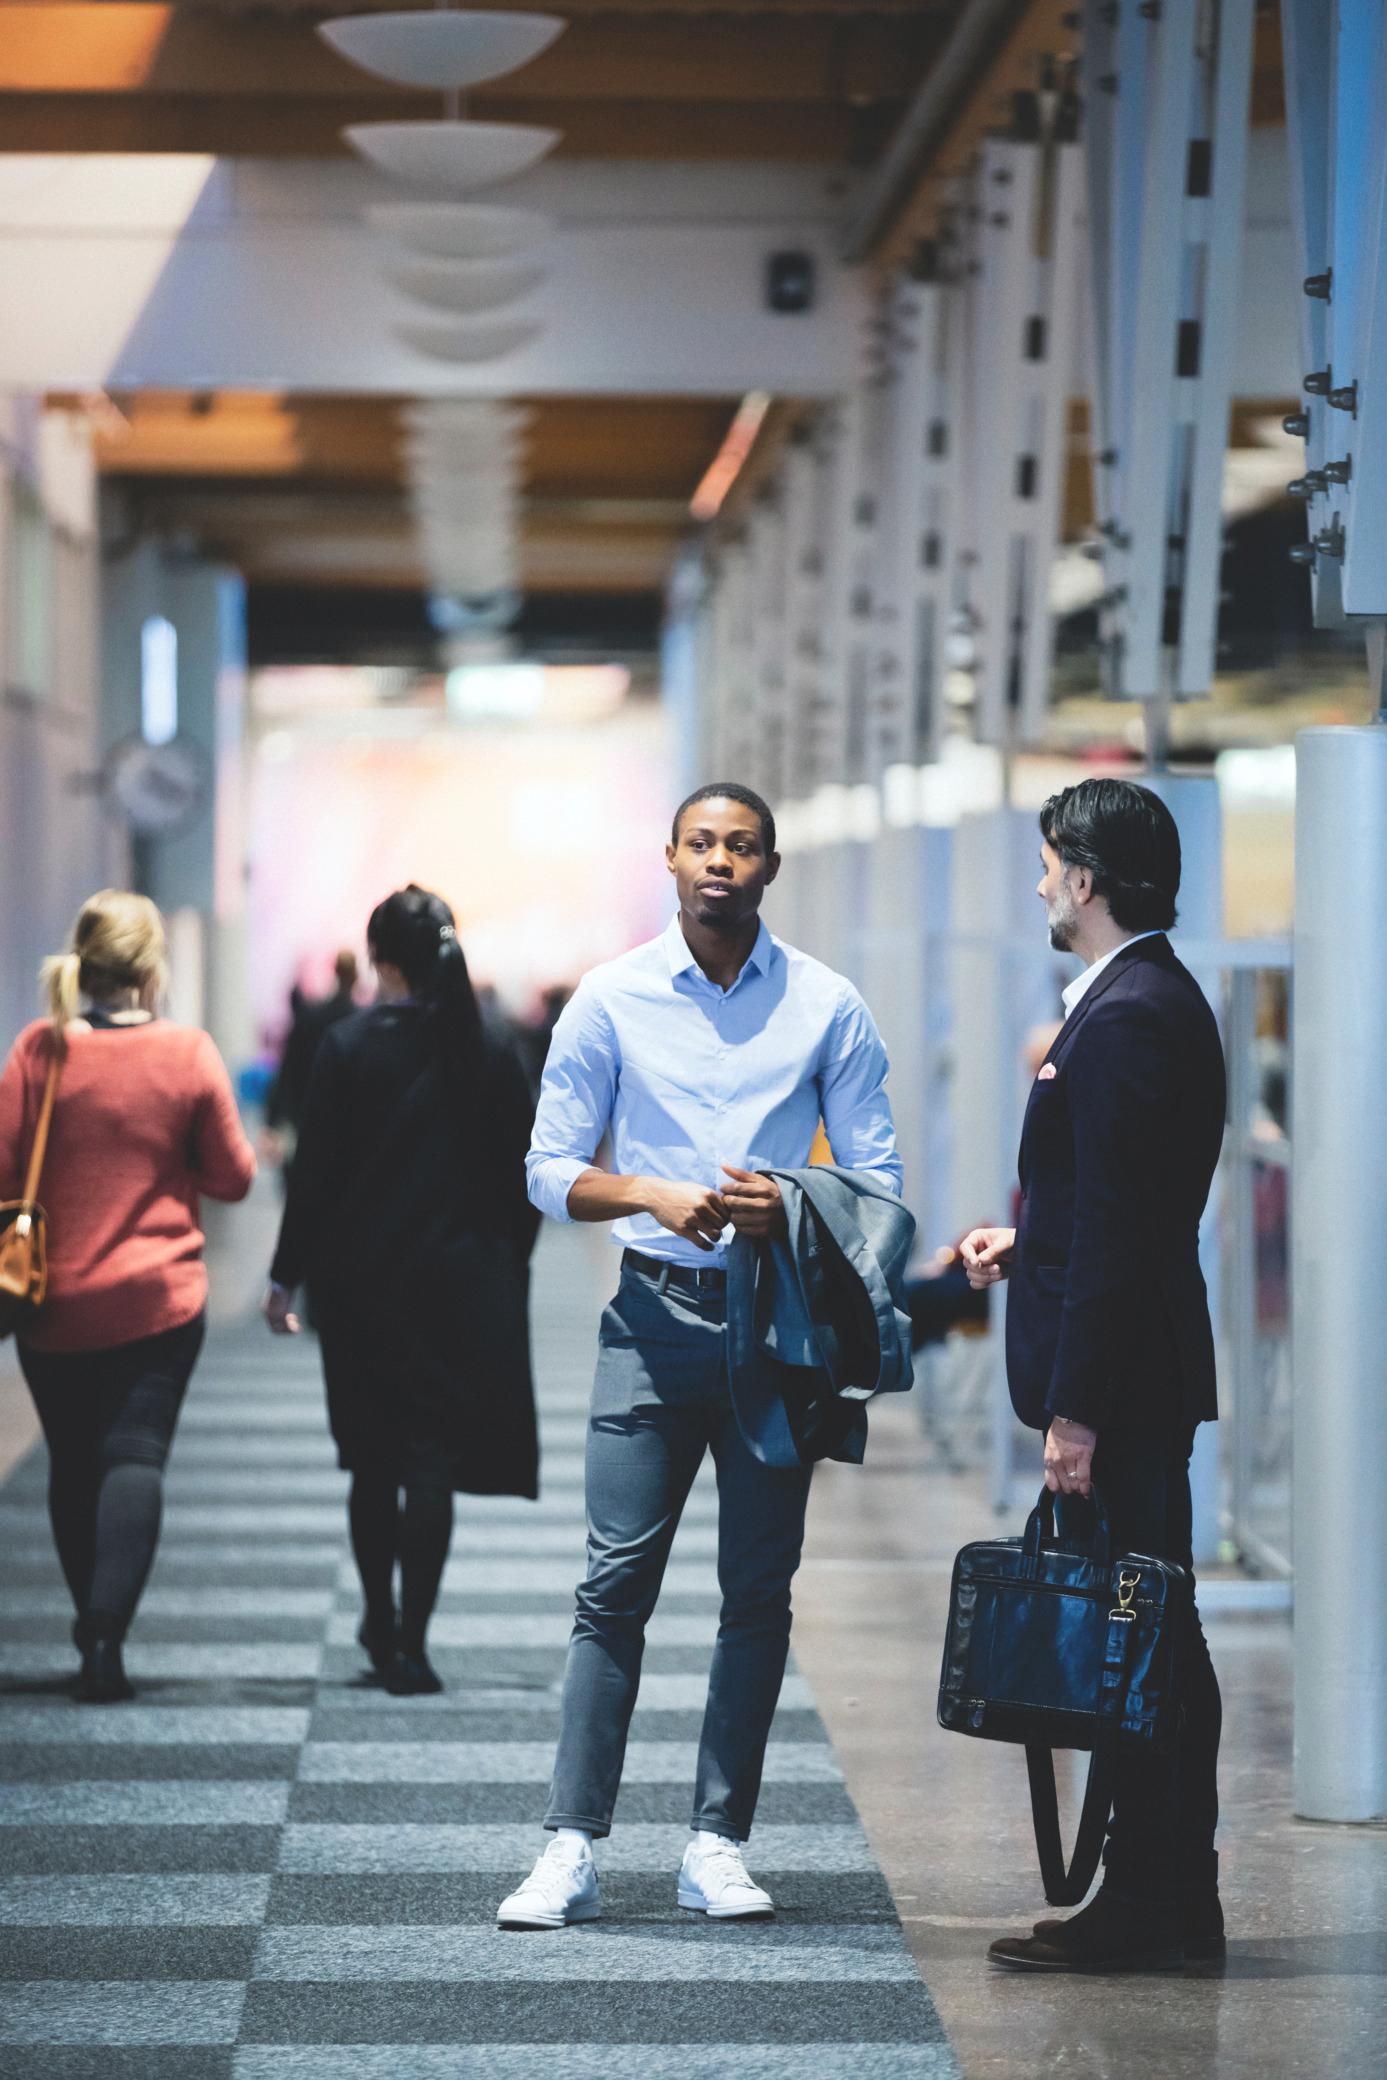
{"x": 1068, "y": 1887}
{"x": 45, "y": 1120}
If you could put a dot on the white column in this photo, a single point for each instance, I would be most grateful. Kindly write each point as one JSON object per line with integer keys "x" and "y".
{"x": 1339, "y": 1299}
{"x": 1166, "y": 145}
{"x": 908, "y": 874}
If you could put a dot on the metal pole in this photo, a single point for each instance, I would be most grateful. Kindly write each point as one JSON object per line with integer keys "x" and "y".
{"x": 1339, "y": 1304}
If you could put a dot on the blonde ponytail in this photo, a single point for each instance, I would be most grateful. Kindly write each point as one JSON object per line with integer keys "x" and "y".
{"x": 61, "y": 977}
{"x": 117, "y": 944}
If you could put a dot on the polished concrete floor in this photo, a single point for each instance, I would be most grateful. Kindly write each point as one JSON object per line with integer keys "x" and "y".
{"x": 1304, "y": 1991}
{"x": 1305, "y": 1988}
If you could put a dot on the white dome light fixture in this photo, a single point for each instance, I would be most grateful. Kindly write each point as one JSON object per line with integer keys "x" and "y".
{"x": 440, "y": 47}
{"x": 462, "y": 464}
{"x": 466, "y": 287}
{"x": 484, "y": 340}
{"x": 459, "y": 230}
{"x": 481, "y": 417}
{"x": 454, "y": 156}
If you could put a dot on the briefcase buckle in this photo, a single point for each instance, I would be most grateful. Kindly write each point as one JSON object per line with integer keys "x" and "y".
{"x": 1127, "y": 1586}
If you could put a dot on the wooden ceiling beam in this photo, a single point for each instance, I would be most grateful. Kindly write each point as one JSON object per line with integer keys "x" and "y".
{"x": 139, "y": 47}
{"x": 720, "y": 11}
{"x": 584, "y": 456}
{"x": 810, "y": 134}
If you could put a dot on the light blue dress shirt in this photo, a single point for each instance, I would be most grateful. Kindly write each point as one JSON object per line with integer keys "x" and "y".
{"x": 687, "y": 1077}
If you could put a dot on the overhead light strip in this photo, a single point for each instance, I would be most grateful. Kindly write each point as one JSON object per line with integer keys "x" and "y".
{"x": 726, "y": 466}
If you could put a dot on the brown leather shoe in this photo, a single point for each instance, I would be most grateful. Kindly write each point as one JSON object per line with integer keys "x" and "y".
{"x": 1109, "y": 1935}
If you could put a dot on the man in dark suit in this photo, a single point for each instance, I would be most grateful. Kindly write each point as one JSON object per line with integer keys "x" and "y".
{"x": 1110, "y": 1349}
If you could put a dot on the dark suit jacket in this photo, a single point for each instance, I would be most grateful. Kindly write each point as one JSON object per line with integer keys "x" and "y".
{"x": 407, "y": 1216}
{"x": 1107, "y": 1314}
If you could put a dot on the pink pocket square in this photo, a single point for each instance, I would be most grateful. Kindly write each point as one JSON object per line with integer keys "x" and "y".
{"x": 1048, "y": 1073}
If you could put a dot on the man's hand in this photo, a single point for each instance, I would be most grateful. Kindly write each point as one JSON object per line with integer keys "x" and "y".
{"x": 694, "y": 1211}
{"x": 986, "y": 1255}
{"x": 1069, "y": 1457}
{"x": 754, "y": 1204}
{"x": 279, "y": 1311}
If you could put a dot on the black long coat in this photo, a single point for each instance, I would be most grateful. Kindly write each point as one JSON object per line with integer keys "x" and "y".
{"x": 1107, "y": 1315}
{"x": 407, "y": 1218}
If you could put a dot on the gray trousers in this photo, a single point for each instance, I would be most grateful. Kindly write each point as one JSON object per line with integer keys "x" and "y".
{"x": 660, "y": 1400}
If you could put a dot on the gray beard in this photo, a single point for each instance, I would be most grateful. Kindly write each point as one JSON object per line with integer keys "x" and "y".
{"x": 1061, "y": 923}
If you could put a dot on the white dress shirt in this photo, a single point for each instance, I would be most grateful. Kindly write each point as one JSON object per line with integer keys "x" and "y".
{"x": 1081, "y": 984}
{"x": 686, "y": 1077}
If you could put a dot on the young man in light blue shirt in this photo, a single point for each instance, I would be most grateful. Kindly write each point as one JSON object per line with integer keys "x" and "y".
{"x": 709, "y": 1055}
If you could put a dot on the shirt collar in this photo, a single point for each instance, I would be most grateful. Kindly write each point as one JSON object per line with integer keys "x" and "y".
{"x": 1082, "y": 984}
{"x": 681, "y": 959}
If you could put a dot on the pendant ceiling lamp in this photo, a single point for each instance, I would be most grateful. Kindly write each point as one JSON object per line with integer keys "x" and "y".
{"x": 465, "y": 502}
{"x": 432, "y": 461}
{"x": 440, "y": 47}
{"x": 444, "y": 480}
{"x": 453, "y": 156}
{"x": 441, "y": 462}
{"x": 459, "y": 230}
{"x": 474, "y": 580}
{"x": 466, "y": 287}
{"x": 482, "y": 417}
{"x": 462, "y": 464}
{"x": 470, "y": 340}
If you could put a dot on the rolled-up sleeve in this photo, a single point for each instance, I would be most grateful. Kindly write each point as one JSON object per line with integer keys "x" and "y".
{"x": 852, "y": 1095}
{"x": 575, "y": 1102}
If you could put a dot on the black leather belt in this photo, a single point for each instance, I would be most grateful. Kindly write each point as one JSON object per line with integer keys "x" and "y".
{"x": 691, "y": 1278}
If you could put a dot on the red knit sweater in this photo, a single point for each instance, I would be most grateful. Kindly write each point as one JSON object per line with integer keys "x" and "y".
{"x": 145, "y": 1121}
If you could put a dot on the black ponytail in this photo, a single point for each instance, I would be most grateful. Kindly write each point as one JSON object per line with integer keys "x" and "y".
{"x": 416, "y": 932}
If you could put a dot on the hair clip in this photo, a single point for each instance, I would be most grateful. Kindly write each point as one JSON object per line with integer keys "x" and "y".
{"x": 445, "y": 931}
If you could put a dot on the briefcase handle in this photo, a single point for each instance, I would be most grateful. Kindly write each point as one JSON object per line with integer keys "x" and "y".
{"x": 1091, "y": 1535}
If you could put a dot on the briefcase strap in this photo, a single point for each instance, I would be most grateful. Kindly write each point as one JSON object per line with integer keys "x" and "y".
{"x": 1068, "y": 1887}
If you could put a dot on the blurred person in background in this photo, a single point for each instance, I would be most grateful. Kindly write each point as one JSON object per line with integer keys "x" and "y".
{"x": 311, "y": 1019}
{"x": 145, "y": 1122}
{"x": 407, "y": 1219}
{"x": 534, "y": 1033}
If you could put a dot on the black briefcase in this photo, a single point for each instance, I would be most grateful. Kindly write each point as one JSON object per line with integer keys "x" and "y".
{"x": 1053, "y": 1644}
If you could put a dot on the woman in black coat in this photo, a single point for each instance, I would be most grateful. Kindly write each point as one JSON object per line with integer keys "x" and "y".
{"x": 407, "y": 1219}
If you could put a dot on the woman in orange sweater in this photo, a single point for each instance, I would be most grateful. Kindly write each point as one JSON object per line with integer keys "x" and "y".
{"x": 145, "y": 1122}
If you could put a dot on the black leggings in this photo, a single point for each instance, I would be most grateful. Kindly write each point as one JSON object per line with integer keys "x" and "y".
{"x": 416, "y": 1534}
{"x": 109, "y": 1418}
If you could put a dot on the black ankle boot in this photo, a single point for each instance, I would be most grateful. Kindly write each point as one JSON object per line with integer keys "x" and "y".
{"x": 379, "y": 1639}
{"x": 412, "y": 1675}
{"x": 103, "y": 1679}
{"x": 1111, "y": 1934}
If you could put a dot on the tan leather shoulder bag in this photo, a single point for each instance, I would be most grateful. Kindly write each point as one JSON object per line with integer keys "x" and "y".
{"x": 23, "y": 1226}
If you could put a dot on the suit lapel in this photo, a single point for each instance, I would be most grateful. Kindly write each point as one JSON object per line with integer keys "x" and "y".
{"x": 1150, "y": 949}
{"x": 1139, "y": 949}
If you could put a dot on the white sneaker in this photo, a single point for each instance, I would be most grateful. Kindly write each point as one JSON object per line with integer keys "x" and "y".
{"x": 714, "y": 1881}
{"x": 561, "y": 1888}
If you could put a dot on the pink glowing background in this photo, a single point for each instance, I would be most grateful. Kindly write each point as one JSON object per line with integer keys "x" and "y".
{"x": 548, "y": 842}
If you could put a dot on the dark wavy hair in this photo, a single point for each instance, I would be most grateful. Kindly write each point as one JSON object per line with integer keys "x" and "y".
{"x": 1127, "y": 838}
{"x": 416, "y": 932}
{"x": 730, "y": 791}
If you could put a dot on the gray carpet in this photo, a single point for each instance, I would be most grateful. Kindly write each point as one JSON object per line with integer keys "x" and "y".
{"x": 268, "y": 1869}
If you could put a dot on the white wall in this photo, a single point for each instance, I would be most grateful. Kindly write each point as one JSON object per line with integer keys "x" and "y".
{"x": 56, "y": 843}
{"x": 192, "y": 271}
{"x": 179, "y": 270}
